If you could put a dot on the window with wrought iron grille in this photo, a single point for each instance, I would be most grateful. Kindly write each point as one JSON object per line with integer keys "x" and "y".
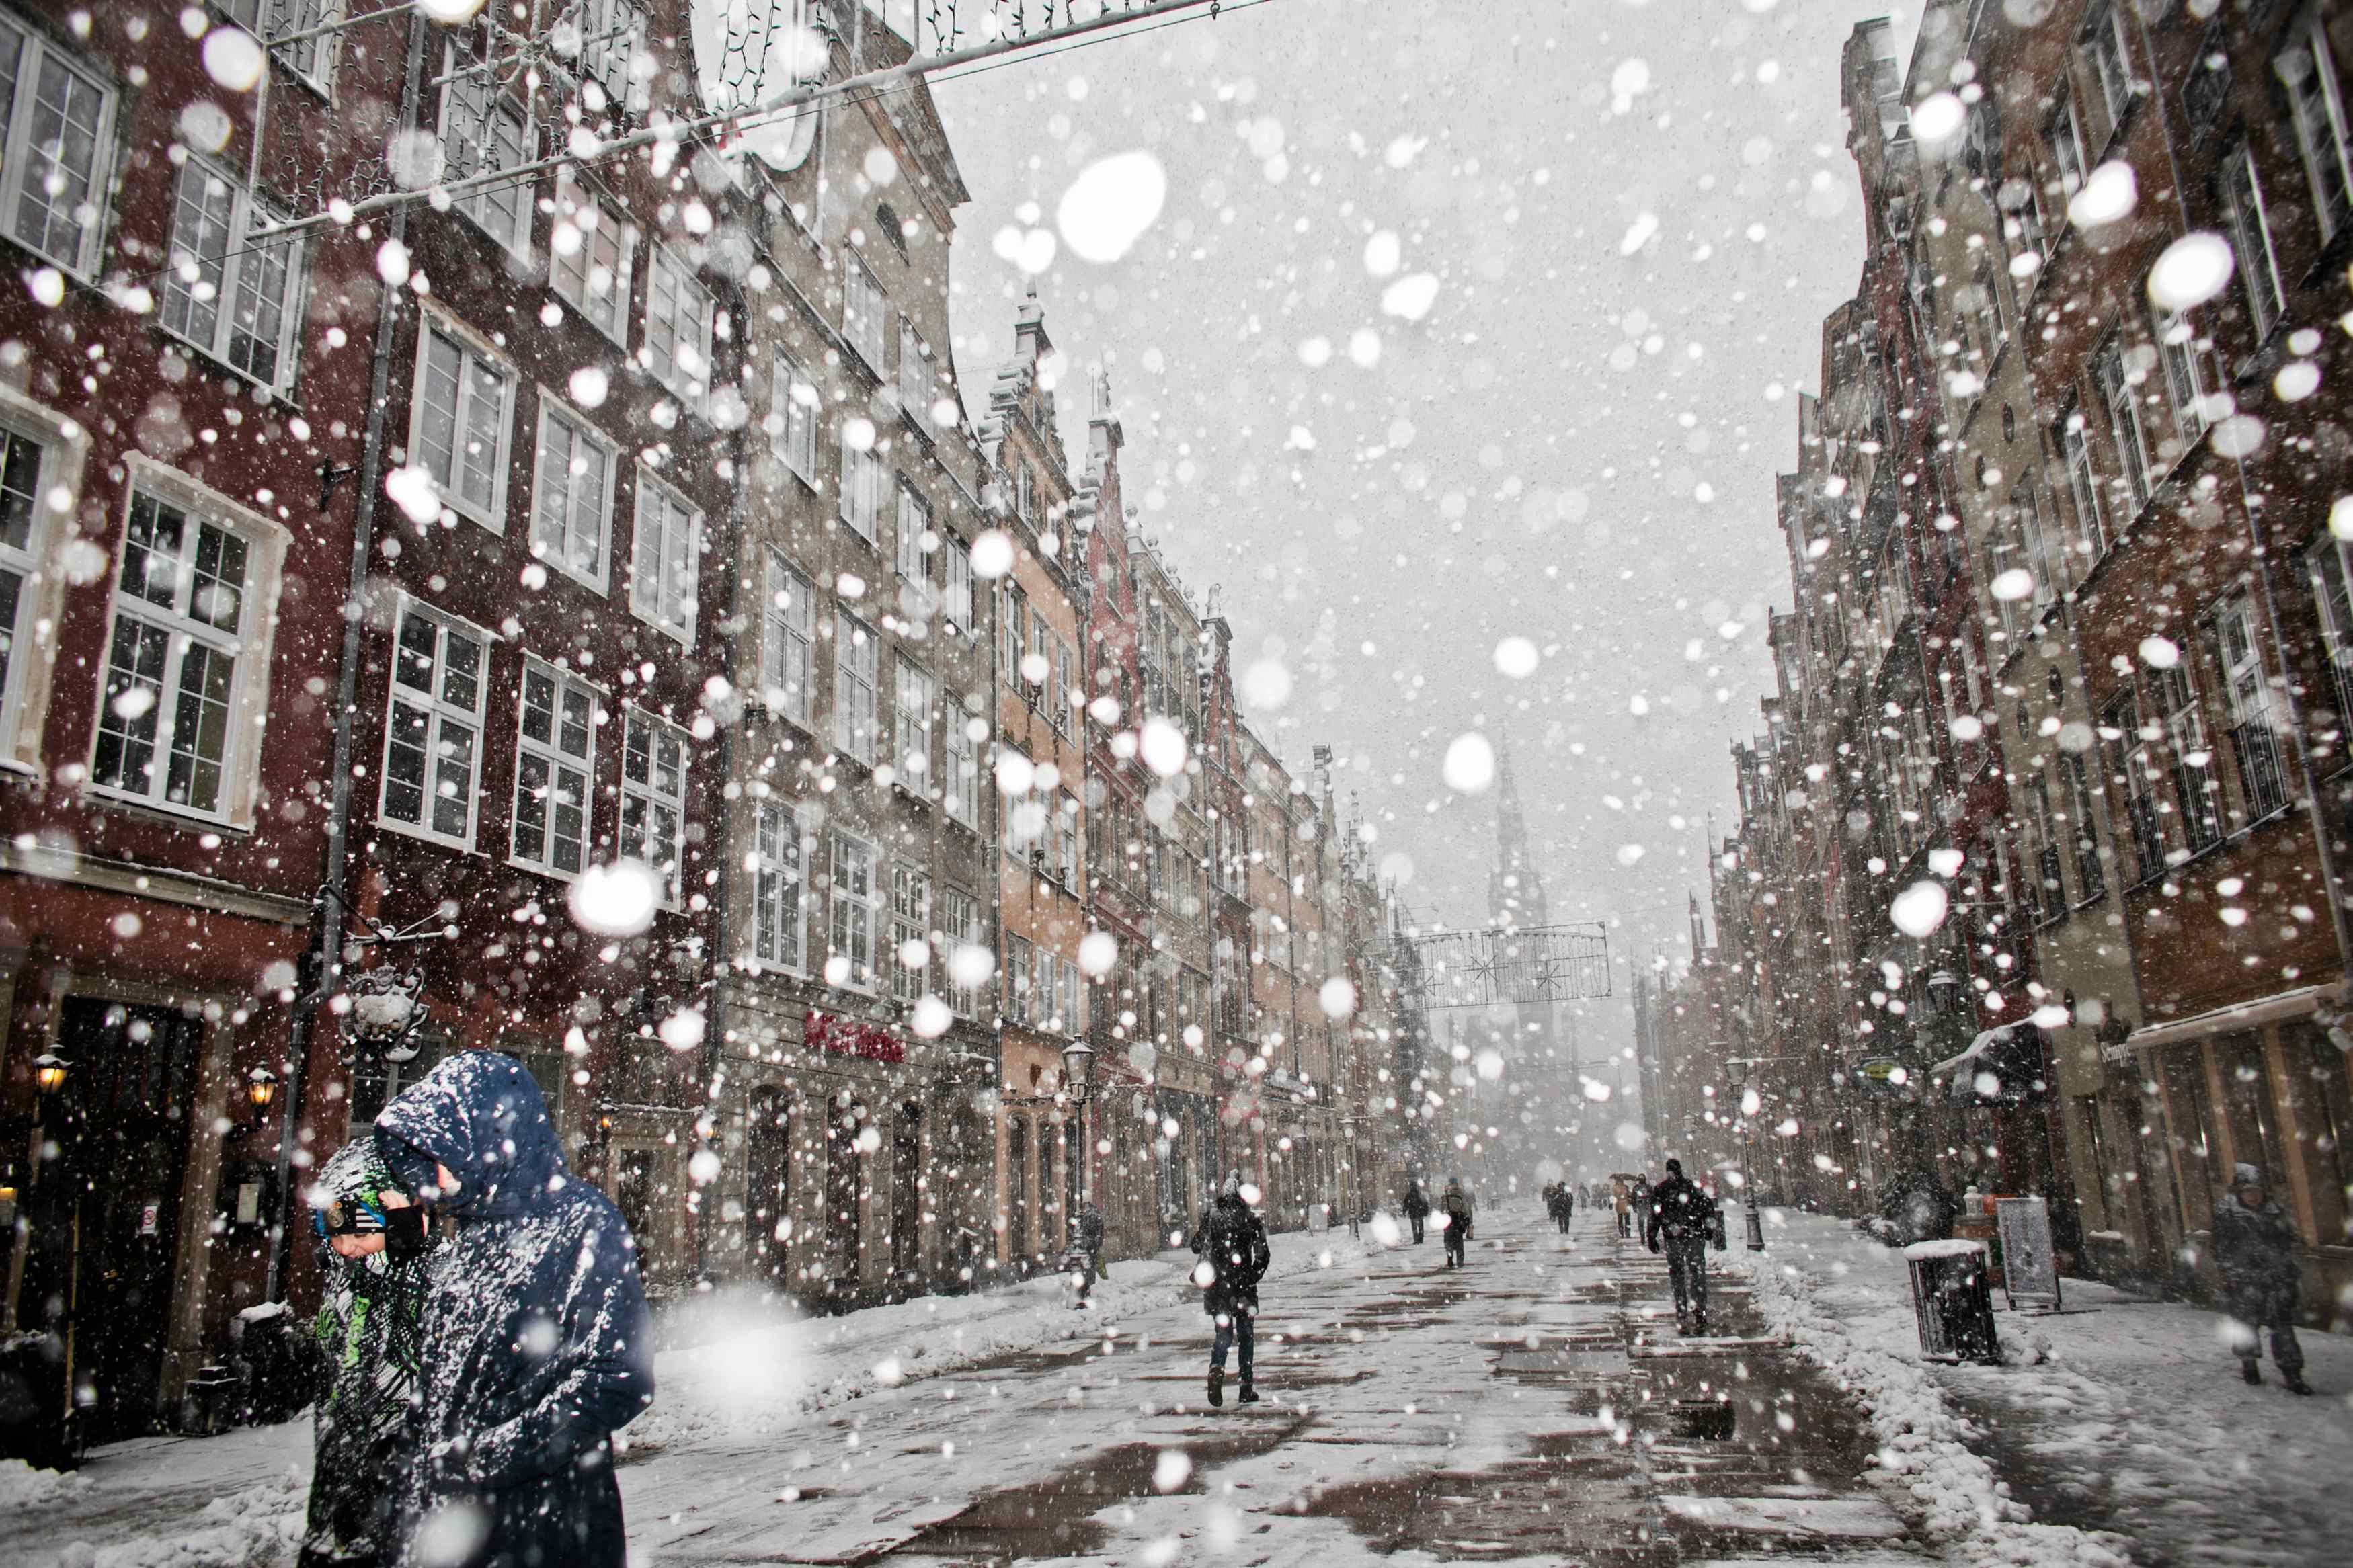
{"x": 555, "y": 754}
{"x": 56, "y": 162}
{"x": 433, "y": 725}
{"x": 653, "y": 798}
{"x": 236, "y": 301}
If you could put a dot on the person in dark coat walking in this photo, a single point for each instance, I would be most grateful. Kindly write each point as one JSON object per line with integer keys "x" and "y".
{"x": 1682, "y": 1216}
{"x": 1638, "y": 1203}
{"x": 1417, "y": 1207}
{"x": 2254, "y": 1248}
{"x": 1231, "y": 1244}
{"x": 537, "y": 1344}
{"x": 1457, "y": 1204}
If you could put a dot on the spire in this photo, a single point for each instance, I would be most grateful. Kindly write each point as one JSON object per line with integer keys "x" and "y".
{"x": 1698, "y": 932}
{"x": 1031, "y": 344}
{"x": 1514, "y": 893}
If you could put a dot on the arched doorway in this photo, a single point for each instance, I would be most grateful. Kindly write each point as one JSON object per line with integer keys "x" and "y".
{"x": 767, "y": 1198}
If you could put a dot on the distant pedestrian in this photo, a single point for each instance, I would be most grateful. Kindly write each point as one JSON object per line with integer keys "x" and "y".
{"x": 1684, "y": 1217}
{"x": 1090, "y": 1239}
{"x": 369, "y": 1328}
{"x": 536, "y": 1345}
{"x": 1457, "y": 1204}
{"x": 2254, "y": 1248}
{"x": 1637, "y": 1199}
{"x": 1417, "y": 1207}
{"x": 1231, "y": 1245}
{"x": 1622, "y": 1199}
{"x": 1568, "y": 1207}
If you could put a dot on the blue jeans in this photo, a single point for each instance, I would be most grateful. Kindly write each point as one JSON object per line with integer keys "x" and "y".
{"x": 1232, "y": 1328}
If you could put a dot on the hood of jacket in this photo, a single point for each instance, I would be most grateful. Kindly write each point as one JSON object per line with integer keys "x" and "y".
{"x": 480, "y": 1114}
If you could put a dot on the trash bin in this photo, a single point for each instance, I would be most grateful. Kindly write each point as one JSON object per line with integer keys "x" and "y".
{"x": 1952, "y": 1298}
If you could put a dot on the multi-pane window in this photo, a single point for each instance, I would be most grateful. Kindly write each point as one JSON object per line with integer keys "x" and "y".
{"x": 572, "y": 495}
{"x": 678, "y": 316}
{"x": 912, "y": 706}
{"x": 236, "y": 300}
{"x": 956, "y": 603}
{"x": 1066, "y": 685}
{"x": 554, "y": 763}
{"x": 914, "y": 528}
{"x": 851, "y": 911}
{"x": 865, "y": 314}
{"x": 2317, "y": 107}
{"x": 792, "y": 417}
{"x": 2064, "y": 131}
{"x": 21, "y": 501}
{"x": 2185, "y": 378}
{"x": 2084, "y": 484}
{"x": 2091, "y": 879}
{"x": 310, "y": 58}
{"x": 2329, "y": 593}
{"x": 590, "y": 249}
{"x": 2121, "y": 400}
{"x": 666, "y": 558}
{"x": 779, "y": 885}
{"x": 604, "y": 39}
{"x": 2051, "y": 893}
{"x": 433, "y": 729}
{"x": 485, "y": 134}
{"x": 1013, "y": 617}
{"x": 910, "y": 931}
{"x": 857, "y": 666}
{"x": 1017, "y": 978}
{"x": 2263, "y": 775}
{"x": 914, "y": 373}
{"x": 2191, "y": 759}
{"x": 960, "y": 776}
{"x": 464, "y": 405}
{"x": 2132, "y": 774}
{"x": 653, "y": 798}
{"x": 2111, "y": 61}
{"x": 960, "y": 927}
{"x": 787, "y": 642}
{"x": 166, "y": 731}
{"x": 861, "y": 490}
{"x": 1037, "y": 662}
{"x": 57, "y": 157}
{"x": 1066, "y": 842}
{"x": 2250, "y": 236}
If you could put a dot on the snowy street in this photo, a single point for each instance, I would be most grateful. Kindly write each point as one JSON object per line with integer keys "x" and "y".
{"x": 1538, "y": 1405}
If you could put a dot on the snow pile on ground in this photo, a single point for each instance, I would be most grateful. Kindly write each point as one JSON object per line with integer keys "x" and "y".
{"x": 1924, "y": 1445}
{"x": 260, "y": 1527}
{"x": 21, "y": 1486}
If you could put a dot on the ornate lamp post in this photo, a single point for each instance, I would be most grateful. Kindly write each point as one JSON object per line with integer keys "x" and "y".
{"x": 1078, "y": 1083}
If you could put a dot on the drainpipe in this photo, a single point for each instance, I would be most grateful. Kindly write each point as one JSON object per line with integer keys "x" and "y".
{"x": 323, "y": 962}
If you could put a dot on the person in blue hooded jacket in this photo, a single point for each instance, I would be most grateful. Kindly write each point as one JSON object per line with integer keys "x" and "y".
{"x": 536, "y": 1346}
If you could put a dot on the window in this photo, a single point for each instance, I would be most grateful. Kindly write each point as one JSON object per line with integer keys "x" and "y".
{"x": 2082, "y": 484}
{"x": 911, "y": 933}
{"x": 1066, "y": 686}
{"x": 913, "y": 707}
{"x": 457, "y": 426}
{"x": 914, "y": 373}
{"x": 590, "y": 251}
{"x": 1045, "y": 982}
{"x": 788, "y": 637}
{"x": 1034, "y": 675}
{"x": 1014, "y": 618}
{"x": 606, "y": 34}
{"x": 236, "y": 300}
{"x": 59, "y": 156}
{"x": 960, "y": 928}
{"x": 2317, "y": 107}
{"x": 2050, "y": 892}
{"x": 678, "y": 317}
{"x": 2251, "y": 239}
{"x": 313, "y": 59}
{"x": 779, "y": 885}
{"x": 2329, "y": 593}
{"x": 915, "y": 528}
{"x": 653, "y": 798}
{"x": 433, "y": 730}
{"x": 857, "y": 658}
{"x": 2133, "y": 775}
{"x": 853, "y": 912}
{"x": 1024, "y": 495}
{"x": 960, "y": 781}
{"x": 2185, "y": 381}
{"x": 2111, "y": 61}
{"x": 572, "y": 495}
{"x": 1066, "y": 842}
{"x": 1017, "y": 978}
{"x": 21, "y": 490}
{"x": 792, "y": 419}
{"x": 2262, "y": 777}
{"x": 865, "y": 314}
{"x": 554, "y": 762}
{"x": 2185, "y": 733}
{"x": 957, "y": 605}
{"x": 2064, "y": 131}
{"x": 666, "y": 558}
{"x": 861, "y": 490}
{"x": 166, "y": 731}
{"x": 2121, "y": 399}
{"x": 2091, "y": 879}
{"x": 483, "y": 134}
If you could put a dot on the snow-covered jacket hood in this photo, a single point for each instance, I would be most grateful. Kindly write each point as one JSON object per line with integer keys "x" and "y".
{"x": 480, "y": 1114}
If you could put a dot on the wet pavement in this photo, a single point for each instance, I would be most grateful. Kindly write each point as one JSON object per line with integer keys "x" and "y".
{"x": 1538, "y": 1404}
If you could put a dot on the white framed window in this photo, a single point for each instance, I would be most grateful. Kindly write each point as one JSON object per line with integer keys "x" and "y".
{"x": 432, "y": 763}
{"x": 2263, "y": 770}
{"x": 779, "y": 885}
{"x": 2064, "y": 131}
{"x": 1025, "y": 494}
{"x": 572, "y": 494}
{"x": 857, "y": 671}
{"x": 788, "y": 642}
{"x": 311, "y": 59}
{"x": 851, "y": 912}
{"x": 2192, "y": 758}
{"x": 956, "y": 603}
{"x": 602, "y": 36}
{"x": 555, "y": 757}
{"x": 1013, "y": 617}
{"x": 913, "y": 703}
{"x": 2330, "y": 593}
{"x": 22, "y": 489}
{"x": 2084, "y": 484}
{"x": 1066, "y": 842}
{"x": 911, "y": 933}
{"x": 2106, "y": 51}
{"x": 1066, "y": 686}
{"x": 591, "y": 250}
{"x": 2251, "y": 239}
{"x": 1046, "y": 988}
{"x": 458, "y": 422}
{"x": 911, "y": 553}
{"x": 960, "y": 927}
{"x": 665, "y": 558}
{"x": 1017, "y": 978}
{"x": 792, "y": 417}
{"x": 485, "y": 132}
{"x": 960, "y": 774}
{"x": 2317, "y": 107}
{"x": 177, "y": 658}
{"x": 680, "y": 314}
{"x": 653, "y": 798}
{"x": 865, "y": 313}
{"x": 234, "y": 300}
{"x": 57, "y": 158}
{"x": 2185, "y": 376}
{"x": 916, "y": 380}
{"x": 861, "y": 490}
{"x": 2121, "y": 400}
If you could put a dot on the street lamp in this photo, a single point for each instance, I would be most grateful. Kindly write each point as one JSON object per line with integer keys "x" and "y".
{"x": 1078, "y": 1069}
{"x": 1077, "y": 1073}
{"x": 1755, "y": 1221}
{"x": 261, "y": 1088}
{"x": 49, "y": 1072}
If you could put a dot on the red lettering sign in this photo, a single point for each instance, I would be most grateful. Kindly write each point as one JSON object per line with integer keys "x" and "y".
{"x": 852, "y": 1037}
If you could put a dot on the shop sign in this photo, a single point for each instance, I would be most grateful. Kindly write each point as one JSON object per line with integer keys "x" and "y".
{"x": 841, "y": 1036}
{"x": 1885, "y": 1073}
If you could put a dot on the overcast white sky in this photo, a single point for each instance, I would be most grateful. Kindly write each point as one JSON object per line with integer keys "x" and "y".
{"x": 1635, "y": 216}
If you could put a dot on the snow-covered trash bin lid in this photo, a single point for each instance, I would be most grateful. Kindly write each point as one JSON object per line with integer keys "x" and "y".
{"x": 1958, "y": 1247}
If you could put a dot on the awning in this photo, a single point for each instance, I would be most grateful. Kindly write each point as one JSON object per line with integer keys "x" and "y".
{"x": 2003, "y": 1065}
{"x": 2301, "y": 1002}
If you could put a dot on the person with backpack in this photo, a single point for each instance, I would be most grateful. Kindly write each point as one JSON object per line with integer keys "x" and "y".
{"x": 1416, "y": 1206}
{"x": 1457, "y": 1206}
{"x": 1682, "y": 1216}
{"x": 1231, "y": 1245}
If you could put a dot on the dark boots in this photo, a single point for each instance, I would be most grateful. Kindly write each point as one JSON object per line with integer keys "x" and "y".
{"x": 1217, "y": 1385}
{"x": 2250, "y": 1371}
{"x": 1249, "y": 1396}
